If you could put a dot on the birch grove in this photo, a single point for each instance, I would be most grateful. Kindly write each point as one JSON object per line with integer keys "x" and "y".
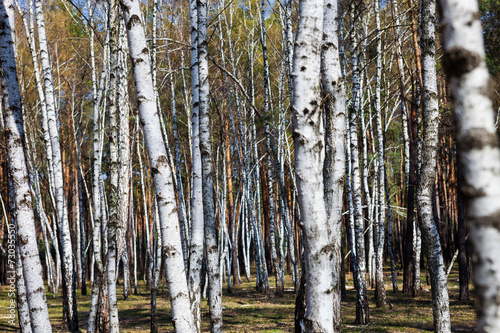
{"x": 203, "y": 165}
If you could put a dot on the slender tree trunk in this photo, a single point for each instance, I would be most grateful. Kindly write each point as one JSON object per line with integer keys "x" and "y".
{"x": 408, "y": 260}
{"x": 214, "y": 285}
{"x": 61, "y": 203}
{"x": 112, "y": 251}
{"x": 335, "y": 131}
{"x": 156, "y": 269}
{"x": 23, "y": 310}
{"x": 464, "y": 63}
{"x": 23, "y": 211}
{"x": 463, "y": 266}
{"x": 197, "y": 224}
{"x": 269, "y": 153}
{"x": 162, "y": 173}
{"x": 379, "y": 272}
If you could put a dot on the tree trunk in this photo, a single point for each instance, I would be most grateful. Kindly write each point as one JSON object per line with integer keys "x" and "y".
{"x": 214, "y": 284}
{"x": 379, "y": 272}
{"x": 197, "y": 225}
{"x": 463, "y": 262}
{"x": 160, "y": 168}
{"x": 309, "y": 159}
{"x": 335, "y": 131}
{"x": 362, "y": 310}
{"x": 477, "y": 142}
{"x": 23, "y": 212}
{"x": 430, "y": 237}
{"x": 61, "y": 203}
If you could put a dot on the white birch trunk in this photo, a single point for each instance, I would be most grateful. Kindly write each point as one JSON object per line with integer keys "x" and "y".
{"x": 309, "y": 158}
{"x": 430, "y": 236}
{"x": 269, "y": 153}
{"x": 362, "y": 314}
{"x": 160, "y": 168}
{"x": 113, "y": 204}
{"x": 62, "y": 213}
{"x": 379, "y": 257}
{"x": 23, "y": 310}
{"x": 23, "y": 212}
{"x": 464, "y": 62}
{"x": 335, "y": 132}
{"x": 197, "y": 222}
{"x": 214, "y": 285}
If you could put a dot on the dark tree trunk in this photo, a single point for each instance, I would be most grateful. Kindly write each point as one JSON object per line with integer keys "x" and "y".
{"x": 463, "y": 271}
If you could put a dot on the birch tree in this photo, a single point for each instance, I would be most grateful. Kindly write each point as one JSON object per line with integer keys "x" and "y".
{"x": 464, "y": 63}
{"x": 335, "y": 131}
{"x": 214, "y": 285}
{"x": 61, "y": 204}
{"x": 162, "y": 173}
{"x": 197, "y": 225}
{"x": 380, "y": 236}
{"x": 362, "y": 314}
{"x": 112, "y": 251}
{"x": 270, "y": 177}
{"x": 309, "y": 159}
{"x": 430, "y": 235}
{"x": 23, "y": 212}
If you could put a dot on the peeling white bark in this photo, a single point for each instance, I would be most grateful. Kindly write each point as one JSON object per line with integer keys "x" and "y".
{"x": 23, "y": 212}
{"x": 309, "y": 158}
{"x": 335, "y": 137}
{"x": 430, "y": 236}
{"x": 61, "y": 204}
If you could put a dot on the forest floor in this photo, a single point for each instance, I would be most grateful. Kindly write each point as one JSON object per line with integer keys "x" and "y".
{"x": 246, "y": 310}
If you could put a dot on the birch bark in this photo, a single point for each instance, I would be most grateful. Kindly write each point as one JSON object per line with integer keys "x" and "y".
{"x": 197, "y": 224}
{"x": 464, "y": 62}
{"x": 113, "y": 221}
{"x": 430, "y": 236}
{"x": 269, "y": 153}
{"x": 379, "y": 257}
{"x": 362, "y": 314}
{"x": 309, "y": 159}
{"x": 23, "y": 213}
{"x": 214, "y": 285}
{"x": 335, "y": 132}
{"x": 62, "y": 213}
{"x": 160, "y": 168}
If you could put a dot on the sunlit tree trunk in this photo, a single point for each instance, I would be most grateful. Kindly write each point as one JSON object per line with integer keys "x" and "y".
{"x": 335, "y": 131}
{"x": 97, "y": 200}
{"x": 380, "y": 236}
{"x": 309, "y": 159}
{"x": 61, "y": 205}
{"x": 214, "y": 285}
{"x": 113, "y": 204}
{"x": 430, "y": 236}
{"x": 362, "y": 314}
{"x": 23, "y": 210}
{"x": 197, "y": 222}
{"x": 464, "y": 62}
{"x": 162, "y": 173}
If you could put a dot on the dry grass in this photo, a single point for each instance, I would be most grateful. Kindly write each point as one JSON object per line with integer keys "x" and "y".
{"x": 249, "y": 311}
